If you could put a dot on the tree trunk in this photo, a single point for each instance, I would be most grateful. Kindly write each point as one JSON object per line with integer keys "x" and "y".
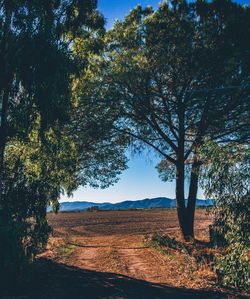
{"x": 3, "y": 210}
{"x": 180, "y": 198}
{"x": 186, "y": 214}
{"x": 180, "y": 173}
{"x": 192, "y": 196}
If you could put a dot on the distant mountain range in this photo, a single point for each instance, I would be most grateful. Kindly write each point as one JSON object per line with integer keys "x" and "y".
{"x": 148, "y": 203}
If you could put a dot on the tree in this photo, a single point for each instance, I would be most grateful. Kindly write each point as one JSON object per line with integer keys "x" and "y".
{"x": 226, "y": 175}
{"x": 42, "y": 153}
{"x": 48, "y": 145}
{"x": 36, "y": 63}
{"x": 175, "y": 78}
{"x": 35, "y": 175}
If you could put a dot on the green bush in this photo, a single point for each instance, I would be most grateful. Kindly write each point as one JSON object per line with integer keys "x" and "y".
{"x": 226, "y": 178}
{"x": 20, "y": 241}
{"x": 234, "y": 268}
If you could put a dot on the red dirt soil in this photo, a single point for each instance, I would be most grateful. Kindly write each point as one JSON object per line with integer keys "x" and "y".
{"x": 113, "y": 241}
{"x": 103, "y": 255}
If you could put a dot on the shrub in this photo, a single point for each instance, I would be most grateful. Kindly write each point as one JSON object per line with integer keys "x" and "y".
{"x": 93, "y": 209}
{"x": 226, "y": 176}
{"x": 234, "y": 268}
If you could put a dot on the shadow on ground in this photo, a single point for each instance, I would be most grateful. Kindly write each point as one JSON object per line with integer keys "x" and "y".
{"x": 51, "y": 280}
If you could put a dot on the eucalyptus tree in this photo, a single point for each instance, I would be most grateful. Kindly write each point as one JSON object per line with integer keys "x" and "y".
{"x": 176, "y": 77}
{"x": 37, "y": 62}
{"x": 226, "y": 176}
{"x": 42, "y": 153}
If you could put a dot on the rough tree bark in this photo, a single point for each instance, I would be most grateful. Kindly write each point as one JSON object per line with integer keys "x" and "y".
{"x": 180, "y": 198}
{"x": 192, "y": 196}
{"x": 185, "y": 212}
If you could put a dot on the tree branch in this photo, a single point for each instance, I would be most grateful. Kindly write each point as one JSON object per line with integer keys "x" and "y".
{"x": 167, "y": 157}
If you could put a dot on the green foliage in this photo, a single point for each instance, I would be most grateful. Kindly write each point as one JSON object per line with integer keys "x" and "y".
{"x": 217, "y": 233}
{"x": 192, "y": 251}
{"x": 166, "y": 171}
{"x": 49, "y": 142}
{"x": 101, "y": 150}
{"x": 64, "y": 250}
{"x": 234, "y": 268}
{"x": 226, "y": 176}
{"x": 42, "y": 153}
{"x": 35, "y": 176}
{"x": 170, "y": 79}
{"x": 37, "y": 58}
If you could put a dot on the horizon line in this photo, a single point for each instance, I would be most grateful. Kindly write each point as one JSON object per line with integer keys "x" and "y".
{"x": 66, "y": 201}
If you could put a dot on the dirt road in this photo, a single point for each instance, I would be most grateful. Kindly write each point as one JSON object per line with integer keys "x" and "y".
{"x": 103, "y": 255}
{"x": 114, "y": 242}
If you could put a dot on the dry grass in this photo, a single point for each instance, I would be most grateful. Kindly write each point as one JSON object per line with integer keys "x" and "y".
{"x": 190, "y": 265}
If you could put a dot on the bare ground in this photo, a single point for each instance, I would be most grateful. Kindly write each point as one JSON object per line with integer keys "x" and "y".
{"x": 114, "y": 242}
{"x": 104, "y": 255}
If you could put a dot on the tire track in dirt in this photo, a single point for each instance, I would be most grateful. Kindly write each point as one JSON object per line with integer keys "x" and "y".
{"x": 117, "y": 255}
{"x": 112, "y": 242}
{"x": 105, "y": 254}
{"x": 127, "y": 256}
{"x": 135, "y": 260}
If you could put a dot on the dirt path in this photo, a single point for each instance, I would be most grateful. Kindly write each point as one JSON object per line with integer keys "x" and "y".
{"x": 127, "y": 256}
{"x": 103, "y": 256}
{"x": 131, "y": 269}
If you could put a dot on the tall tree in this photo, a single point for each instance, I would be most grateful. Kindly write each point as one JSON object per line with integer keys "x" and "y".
{"x": 175, "y": 78}
{"x": 44, "y": 151}
{"x": 37, "y": 62}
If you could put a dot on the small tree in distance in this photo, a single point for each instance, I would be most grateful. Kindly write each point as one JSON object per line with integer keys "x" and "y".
{"x": 93, "y": 209}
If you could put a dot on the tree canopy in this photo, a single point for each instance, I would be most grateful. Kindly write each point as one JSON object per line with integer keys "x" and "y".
{"x": 46, "y": 146}
{"x": 74, "y": 97}
{"x": 176, "y": 77}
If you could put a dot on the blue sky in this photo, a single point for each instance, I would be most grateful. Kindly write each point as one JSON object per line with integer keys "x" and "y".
{"x": 138, "y": 182}
{"x": 117, "y": 9}
{"x": 141, "y": 179}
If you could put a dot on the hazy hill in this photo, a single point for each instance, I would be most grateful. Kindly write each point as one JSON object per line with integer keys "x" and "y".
{"x": 148, "y": 203}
